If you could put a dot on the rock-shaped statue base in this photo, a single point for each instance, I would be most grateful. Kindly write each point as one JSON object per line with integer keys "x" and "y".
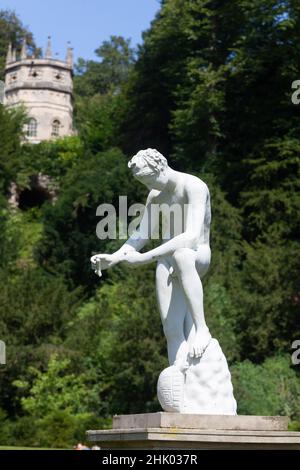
{"x": 204, "y": 387}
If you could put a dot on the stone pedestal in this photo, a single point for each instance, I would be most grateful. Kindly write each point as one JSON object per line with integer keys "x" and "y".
{"x": 187, "y": 431}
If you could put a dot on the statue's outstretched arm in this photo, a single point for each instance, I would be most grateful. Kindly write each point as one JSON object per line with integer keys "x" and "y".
{"x": 134, "y": 243}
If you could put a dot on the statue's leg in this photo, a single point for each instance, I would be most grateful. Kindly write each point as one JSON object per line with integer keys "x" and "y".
{"x": 189, "y": 328}
{"x": 173, "y": 308}
{"x": 190, "y": 266}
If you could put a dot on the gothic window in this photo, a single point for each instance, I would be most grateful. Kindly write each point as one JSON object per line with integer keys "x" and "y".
{"x": 35, "y": 74}
{"x": 32, "y": 128}
{"x": 58, "y": 76}
{"x": 12, "y": 77}
{"x": 55, "y": 128}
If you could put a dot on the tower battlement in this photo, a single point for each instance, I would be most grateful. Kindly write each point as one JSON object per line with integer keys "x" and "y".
{"x": 45, "y": 87}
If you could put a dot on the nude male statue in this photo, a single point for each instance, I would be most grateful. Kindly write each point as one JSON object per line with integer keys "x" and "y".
{"x": 182, "y": 259}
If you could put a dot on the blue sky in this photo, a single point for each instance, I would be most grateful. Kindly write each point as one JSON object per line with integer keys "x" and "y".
{"x": 86, "y": 23}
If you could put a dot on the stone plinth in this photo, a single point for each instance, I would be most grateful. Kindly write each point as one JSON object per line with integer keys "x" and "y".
{"x": 186, "y": 431}
{"x": 203, "y": 422}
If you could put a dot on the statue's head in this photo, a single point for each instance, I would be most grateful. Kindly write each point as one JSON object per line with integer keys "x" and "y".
{"x": 148, "y": 165}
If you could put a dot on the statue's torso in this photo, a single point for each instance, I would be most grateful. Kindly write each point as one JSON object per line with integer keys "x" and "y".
{"x": 174, "y": 206}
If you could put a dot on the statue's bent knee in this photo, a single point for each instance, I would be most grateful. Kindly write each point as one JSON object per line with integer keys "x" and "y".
{"x": 183, "y": 256}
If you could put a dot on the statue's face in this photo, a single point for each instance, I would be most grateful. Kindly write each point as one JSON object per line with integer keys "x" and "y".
{"x": 141, "y": 170}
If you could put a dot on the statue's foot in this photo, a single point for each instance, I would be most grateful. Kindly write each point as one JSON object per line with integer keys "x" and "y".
{"x": 182, "y": 365}
{"x": 200, "y": 342}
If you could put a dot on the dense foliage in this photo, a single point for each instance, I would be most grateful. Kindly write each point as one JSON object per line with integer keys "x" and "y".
{"x": 211, "y": 87}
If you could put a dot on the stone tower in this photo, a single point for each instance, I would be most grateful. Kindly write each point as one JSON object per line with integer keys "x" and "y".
{"x": 45, "y": 87}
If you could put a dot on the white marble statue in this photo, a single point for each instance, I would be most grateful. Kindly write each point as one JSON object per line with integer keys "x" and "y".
{"x": 198, "y": 379}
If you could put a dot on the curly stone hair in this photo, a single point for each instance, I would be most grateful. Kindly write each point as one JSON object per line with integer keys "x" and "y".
{"x": 153, "y": 158}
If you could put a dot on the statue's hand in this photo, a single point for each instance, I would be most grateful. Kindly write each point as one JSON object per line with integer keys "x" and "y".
{"x": 102, "y": 261}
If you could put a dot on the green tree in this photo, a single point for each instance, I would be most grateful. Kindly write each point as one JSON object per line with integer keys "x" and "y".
{"x": 54, "y": 390}
{"x": 269, "y": 389}
{"x": 267, "y": 302}
{"x": 159, "y": 69}
{"x": 52, "y": 158}
{"x": 259, "y": 112}
{"x": 11, "y": 123}
{"x": 98, "y": 121}
{"x": 34, "y": 310}
{"x": 99, "y": 77}
{"x": 59, "y": 401}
